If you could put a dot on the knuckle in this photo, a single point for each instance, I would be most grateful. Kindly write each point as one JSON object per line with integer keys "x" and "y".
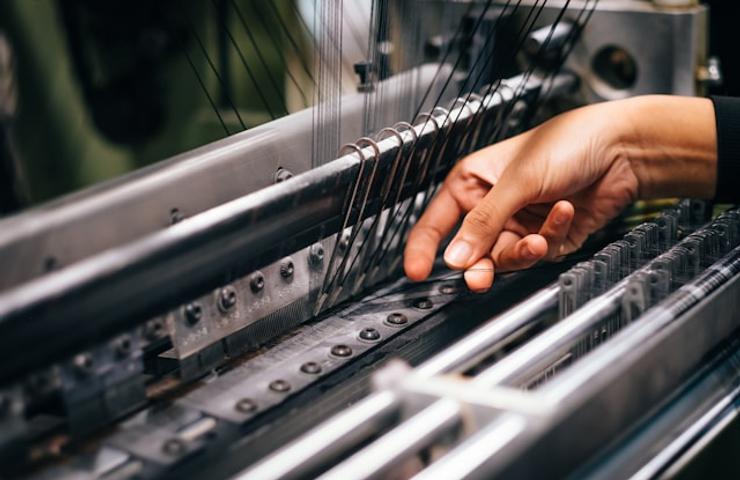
{"x": 479, "y": 220}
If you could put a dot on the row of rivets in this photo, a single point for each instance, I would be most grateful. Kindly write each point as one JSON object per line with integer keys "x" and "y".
{"x": 248, "y": 405}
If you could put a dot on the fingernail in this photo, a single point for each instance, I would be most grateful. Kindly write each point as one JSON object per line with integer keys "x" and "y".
{"x": 458, "y": 253}
{"x": 561, "y": 219}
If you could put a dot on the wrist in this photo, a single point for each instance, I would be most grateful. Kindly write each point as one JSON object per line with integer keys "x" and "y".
{"x": 670, "y": 144}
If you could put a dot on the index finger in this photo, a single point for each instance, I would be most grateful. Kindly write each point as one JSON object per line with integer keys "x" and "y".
{"x": 437, "y": 221}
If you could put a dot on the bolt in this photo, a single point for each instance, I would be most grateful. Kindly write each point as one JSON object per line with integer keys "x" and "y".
{"x": 257, "y": 281}
{"x": 226, "y": 299}
{"x": 282, "y": 175}
{"x": 153, "y": 329}
{"x": 369, "y": 334}
{"x": 316, "y": 255}
{"x": 83, "y": 363}
{"x": 280, "y": 386}
{"x": 173, "y": 446}
{"x": 341, "y": 351}
{"x": 123, "y": 346}
{"x": 193, "y": 313}
{"x": 447, "y": 290}
{"x": 397, "y": 318}
{"x": 245, "y": 405}
{"x": 312, "y": 368}
{"x": 423, "y": 303}
{"x": 287, "y": 268}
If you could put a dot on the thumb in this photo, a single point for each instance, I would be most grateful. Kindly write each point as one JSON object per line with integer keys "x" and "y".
{"x": 482, "y": 225}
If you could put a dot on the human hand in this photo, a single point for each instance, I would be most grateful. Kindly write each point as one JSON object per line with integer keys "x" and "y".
{"x": 539, "y": 195}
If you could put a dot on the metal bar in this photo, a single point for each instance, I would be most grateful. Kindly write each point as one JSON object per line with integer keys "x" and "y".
{"x": 456, "y": 358}
{"x": 401, "y": 443}
{"x": 139, "y": 203}
{"x": 478, "y": 449}
{"x": 545, "y": 349}
{"x": 346, "y": 430}
{"x": 612, "y": 388}
{"x": 483, "y": 341}
{"x": 542, "y": 351}
{"x": 111, "y": 291}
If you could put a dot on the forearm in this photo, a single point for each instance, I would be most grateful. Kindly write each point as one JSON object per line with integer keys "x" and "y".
{"x": 671, "y": 144}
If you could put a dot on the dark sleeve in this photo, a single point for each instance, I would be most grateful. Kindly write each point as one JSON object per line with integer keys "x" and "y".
{"x": 727, "y": 110}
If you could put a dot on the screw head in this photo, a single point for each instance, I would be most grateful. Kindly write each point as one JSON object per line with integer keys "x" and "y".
{"x": 153, "y": 329}
{"x": 341, "y": 351}
{"x": 287, "y": 268}
{"x": 423, "y": 303}
{"x": 280, "y": 386}
{"x": 370, "y": 334}
{"x": 193, "y": 313}
{"x": 123, "y": 346}
{"x": 397, "y": 318}
{"x": 245, "y": 405}
{"x": 173, "y": 446}
{"x": 312, "y": 368}
{"x": 226, "y": 299}
{"x": 83, "y": 364}
{"x": 447, "y": 290}
{"x": 316, "y": 255}
{"x": 256, "y": 281}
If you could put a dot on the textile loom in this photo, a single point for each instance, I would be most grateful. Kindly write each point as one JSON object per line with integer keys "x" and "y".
{"x": 240, "y": 311}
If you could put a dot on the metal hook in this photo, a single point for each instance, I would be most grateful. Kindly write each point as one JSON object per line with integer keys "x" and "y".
{"x": 463, "y": 103}
{"x": 407, "y": 127}
{"x": 427, "y": 117}
{"x": 350, "y": 146}
{"x": 444, "y": 112}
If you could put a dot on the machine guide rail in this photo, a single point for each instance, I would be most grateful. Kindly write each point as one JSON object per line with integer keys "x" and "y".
{"x": 438, "y": 403}
{"x": 104, "y": 294}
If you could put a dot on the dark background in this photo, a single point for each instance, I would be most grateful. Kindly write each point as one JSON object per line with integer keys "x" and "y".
{"x": 725, "y": 42}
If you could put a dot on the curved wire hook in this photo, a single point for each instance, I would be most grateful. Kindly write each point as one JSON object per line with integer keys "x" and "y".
{"x": 427, "y": 117}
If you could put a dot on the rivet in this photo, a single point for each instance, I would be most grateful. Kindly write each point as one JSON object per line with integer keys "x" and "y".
{"x": 447, "y": 290}
{"x": 173, "y": 446}
{"x": 123, "y": 346}
{"x": 226, "y": 299}
{"x": 369, "y": 334}
{"x": 193, "y": 313}
{"x": 83, "y": 363}
{"x": 245, "y": 405}
{"x": 341, "y": 350}
{"x": 397, "y": 318}
{"x": 312, "y": 368}
{"x": 287, "y": 268}
{"x": 316, "y": 255}
{"x": 423, "y": 303}
{"x": 256, "y": 281}
{"x": 153, "y": 329}
{"x": 280, "y": 386}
